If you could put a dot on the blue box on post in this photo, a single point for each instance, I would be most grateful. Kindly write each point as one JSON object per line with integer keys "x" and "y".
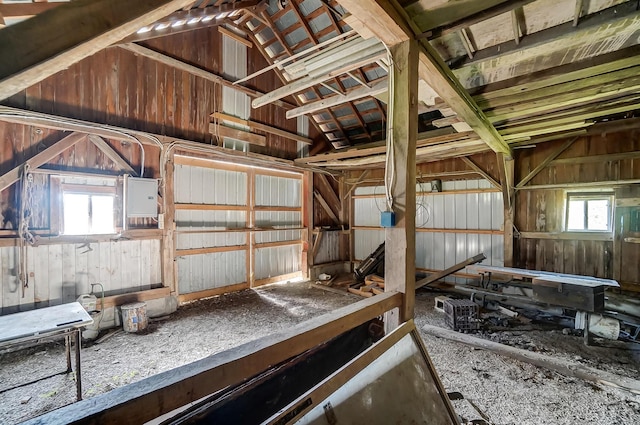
{"x": 387, "y": 219}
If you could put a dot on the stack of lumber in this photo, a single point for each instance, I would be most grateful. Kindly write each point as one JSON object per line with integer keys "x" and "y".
{"x": 373, "y": 285}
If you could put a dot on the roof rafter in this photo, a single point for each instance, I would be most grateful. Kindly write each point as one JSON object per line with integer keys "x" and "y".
{"x": 391, "y": 25}
{"x": 96, "y": 24}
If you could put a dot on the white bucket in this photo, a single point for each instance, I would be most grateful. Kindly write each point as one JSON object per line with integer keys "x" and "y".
{"x": 134, "y": 317}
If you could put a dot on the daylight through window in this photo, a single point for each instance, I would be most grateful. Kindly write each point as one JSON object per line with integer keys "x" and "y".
{"x": 88, "y": 214}
{"x": 589, "y": 213}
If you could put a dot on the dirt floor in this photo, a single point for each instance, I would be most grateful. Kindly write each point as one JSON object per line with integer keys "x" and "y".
{"x": 506, "y": 390}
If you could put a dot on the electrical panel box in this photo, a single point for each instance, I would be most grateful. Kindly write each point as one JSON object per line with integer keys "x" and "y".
{"x": 387, "y": 219}
{"x": 142, "y": 197}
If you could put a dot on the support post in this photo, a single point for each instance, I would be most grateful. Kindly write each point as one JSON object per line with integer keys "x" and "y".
{"x": 168, "y": 228}
{"x": 400, "y": 240}
{"x": 307, "y": 222}
{"x": 505, "y": 167}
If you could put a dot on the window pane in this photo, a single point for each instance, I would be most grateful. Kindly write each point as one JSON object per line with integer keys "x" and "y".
{"x": 598, "y": 214}
{"x": 76, "y": 214}
{"x": 575, "y": 217}
{"x": 102, "y": 214}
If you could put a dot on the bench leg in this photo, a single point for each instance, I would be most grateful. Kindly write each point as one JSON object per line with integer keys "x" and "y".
{"x": 67, "y": 347}
{"x": 78, "y": 374}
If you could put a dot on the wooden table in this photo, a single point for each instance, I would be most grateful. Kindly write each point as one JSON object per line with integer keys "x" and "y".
{"x": 65, "y": 320}
{"x": 583, "y": 293}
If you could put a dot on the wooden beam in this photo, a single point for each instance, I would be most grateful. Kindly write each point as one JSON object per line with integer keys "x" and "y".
{"x": 474, "y": 18}
{"x": 110, "y": 153}
{"x": 400, "y": 239}
{"x": 427, "y": 138}
{"x": 562, "y": 366}
{"x": 329, "y": 194}
{"x": 262, "y": 127}
{"x": 546, "y": 162}
{"x": 456, "y": 267}
{"x": 235, "y": 133}
{"x": 325, "y": 73}
{"x": 472, "y": 164}
{"x": 96, "y": 24}
{"x": 597, "y": 34}
{"x": 168, "y": 242}
{"x": 506, "y": 170}
{"x": 234, "y": 36}
{"x": 23, "y": 10}
{"x": 152, "y": 397}
{"x": 432, "y": 68}
{"x": 329, "y": 102}
{"x": 41, "y": 158}
{"x": 568, "y": 185}
{"x": 622, "y": 156}
{"x": 194, "y": 70}
{"x": 325, "y": 206}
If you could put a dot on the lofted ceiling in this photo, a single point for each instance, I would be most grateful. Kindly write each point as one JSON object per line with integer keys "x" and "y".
{"x": 494, "y": 74}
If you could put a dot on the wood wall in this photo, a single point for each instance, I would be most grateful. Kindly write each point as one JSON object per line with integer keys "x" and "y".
{"x": 539, "y": 213}
{"x": 116, "y": 87}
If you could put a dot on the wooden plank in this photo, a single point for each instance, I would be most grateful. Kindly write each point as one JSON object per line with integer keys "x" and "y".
{"x": 96, "y": 24}
{"x": 184, "y": 298}
{"x": 112, "y": 154}
{"x": 608, "y": 183}
{"x": 277, "y": 279}
{"x": 329, "y": 102}
{"x": 581, "y": 236}
{"x": 329, "y": 194}
{"x": 151, "y": 294}
{"x": 553, "y": 155}
{"x": 23, "y": 10}
{"x": 426, "y": 138}
{"x": 236, "y": 37}
{"x": 325, "y": 206}
{"x": 262, "y": 127}
{"x": 41, "y": 158}
{"x": 598, "y": 159}
{"x": 209, "y": 250}
{"x": 194, "y": 70}
{"x": 235, "y": 133}
{"x": 400, "y": 239}
{"x": 276, "y": 244}
{"x": 210, "y": 207}
{"x": 456, "y": 267}
{"x": 565, "y": 367}
{"x": 480, "y": 171}
{"x": 168, "y": 243}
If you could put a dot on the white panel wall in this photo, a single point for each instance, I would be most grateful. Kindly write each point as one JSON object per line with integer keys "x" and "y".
{"x": 275, "y": 191}
{"x": 60, "y": 273}
{"x": 459, "y": 211}
{"x": 234, "y": 102}
{"x": 208, "y": 186}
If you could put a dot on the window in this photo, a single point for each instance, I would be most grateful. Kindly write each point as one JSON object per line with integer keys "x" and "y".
{"x": 88, "y": 213}
{"x": 589, "y": 213}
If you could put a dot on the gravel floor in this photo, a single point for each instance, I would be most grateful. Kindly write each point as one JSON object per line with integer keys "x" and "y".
{"x": 508, "y": 391}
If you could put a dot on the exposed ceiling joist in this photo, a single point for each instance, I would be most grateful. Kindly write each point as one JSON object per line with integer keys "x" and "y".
{"x": 43, "y": 45}
{"x": 609, "y": 30}
{"x": 359, "y": 93}
{"x": 432, "y": 69}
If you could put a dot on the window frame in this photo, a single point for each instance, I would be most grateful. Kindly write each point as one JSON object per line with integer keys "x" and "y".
{"x": 89, "y": 190}
{"x": 590, "y": 196}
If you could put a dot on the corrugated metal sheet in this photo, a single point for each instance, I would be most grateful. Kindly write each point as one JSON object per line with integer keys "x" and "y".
{"x": 234, "y": 102}
{"x": 437, "y": 250}
{"x": 194, "y": 186}
{"x": 62, "y": 272}
{"x": 276, "y": 261}
{"x": 278, "y": 191}
{"x": 208, "y": 271}
{"x": 200, "y": 185}
{"x": 209, "y": 220}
